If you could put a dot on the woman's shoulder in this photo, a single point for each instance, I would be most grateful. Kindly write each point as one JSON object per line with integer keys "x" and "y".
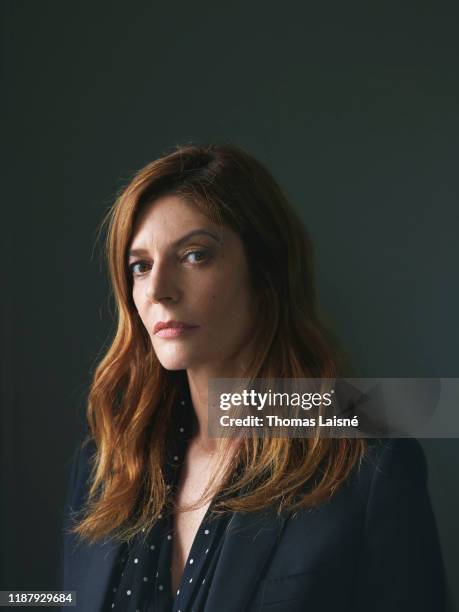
{"x": 80, "y": 472}
{"x": 388, "y": 467}
{"x": 393, "y": 460}
{"x": 388, "y": 460}
{"x": 391, "y": 477}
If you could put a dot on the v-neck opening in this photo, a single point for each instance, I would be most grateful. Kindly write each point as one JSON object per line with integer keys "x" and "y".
{"x": 142, "y": 577}
{"x": 192, "y": 555}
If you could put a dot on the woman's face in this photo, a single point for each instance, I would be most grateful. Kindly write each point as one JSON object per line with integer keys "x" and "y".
{"x": 188, "y": 270}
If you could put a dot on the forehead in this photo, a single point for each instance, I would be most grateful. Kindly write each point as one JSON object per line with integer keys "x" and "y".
{"x": 167, "y": 209}
{"x": 169, "y": 217}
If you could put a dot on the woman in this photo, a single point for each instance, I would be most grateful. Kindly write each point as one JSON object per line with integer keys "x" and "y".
{"x": 212, "y": 276}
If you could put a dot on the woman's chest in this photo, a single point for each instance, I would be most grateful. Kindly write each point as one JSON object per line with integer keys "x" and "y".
{"x": 187, "y": 523}
{"x": 186, "y": 527}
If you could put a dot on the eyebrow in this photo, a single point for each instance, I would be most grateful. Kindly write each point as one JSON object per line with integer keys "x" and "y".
{"x": 134, "y": 252}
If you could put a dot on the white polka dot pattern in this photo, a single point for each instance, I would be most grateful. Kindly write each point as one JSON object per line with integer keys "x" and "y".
{"x": 144, "y": 577}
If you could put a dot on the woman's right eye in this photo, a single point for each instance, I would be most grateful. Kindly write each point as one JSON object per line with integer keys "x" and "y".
{"x": 132, "y": 267}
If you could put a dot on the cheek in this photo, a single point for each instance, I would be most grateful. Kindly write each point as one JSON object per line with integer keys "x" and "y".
{"x": 140, "y": 307}
{"x": 227, "y": 300}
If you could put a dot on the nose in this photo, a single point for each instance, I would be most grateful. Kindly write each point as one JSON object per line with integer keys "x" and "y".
{"x": 160, "y": 285}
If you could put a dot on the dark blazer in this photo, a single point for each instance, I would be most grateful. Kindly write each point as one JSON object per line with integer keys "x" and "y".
{"x": 373, "y": 547}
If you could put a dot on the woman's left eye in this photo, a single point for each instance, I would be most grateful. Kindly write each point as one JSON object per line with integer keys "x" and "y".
{"x": 196, "y": 256}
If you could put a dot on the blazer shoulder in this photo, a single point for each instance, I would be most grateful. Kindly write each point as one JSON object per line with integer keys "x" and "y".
{"x": 400, "y": 545}
{"x": 390, "y": 465}
{"x": 395, "y": 458}
{"x": 80, "y": 472}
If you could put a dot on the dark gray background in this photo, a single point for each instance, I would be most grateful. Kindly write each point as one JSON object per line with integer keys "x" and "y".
{"x": 354, "y": 108}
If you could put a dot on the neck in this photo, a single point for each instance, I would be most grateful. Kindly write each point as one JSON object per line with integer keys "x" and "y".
{"x": 198, "y": 381}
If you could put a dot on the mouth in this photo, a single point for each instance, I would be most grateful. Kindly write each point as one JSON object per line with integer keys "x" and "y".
{"x": 172, "y": 329}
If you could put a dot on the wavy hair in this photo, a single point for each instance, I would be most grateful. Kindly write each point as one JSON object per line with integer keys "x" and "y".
{"x": 131, "y": 395}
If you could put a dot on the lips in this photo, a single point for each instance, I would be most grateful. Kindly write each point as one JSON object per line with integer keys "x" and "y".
{"x": 172, "y": 329}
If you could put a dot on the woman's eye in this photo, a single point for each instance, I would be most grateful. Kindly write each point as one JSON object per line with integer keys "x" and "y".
{"x": 133, "y": 267}
{"x": 195, "y": 256}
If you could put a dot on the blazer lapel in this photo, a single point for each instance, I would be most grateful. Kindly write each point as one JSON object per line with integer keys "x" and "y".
{"x": 90, "y": 571}
{"x": 249, "y": 540}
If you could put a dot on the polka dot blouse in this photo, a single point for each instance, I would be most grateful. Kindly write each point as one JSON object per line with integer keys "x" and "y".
{"x": 141, "y": 579}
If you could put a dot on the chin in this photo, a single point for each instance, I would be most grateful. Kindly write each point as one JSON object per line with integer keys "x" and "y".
{"x": 169, "y": 364}
{"x": 173, "y": 360}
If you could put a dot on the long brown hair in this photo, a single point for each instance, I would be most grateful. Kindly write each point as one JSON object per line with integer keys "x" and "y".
{"x": 131, "y": 394}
